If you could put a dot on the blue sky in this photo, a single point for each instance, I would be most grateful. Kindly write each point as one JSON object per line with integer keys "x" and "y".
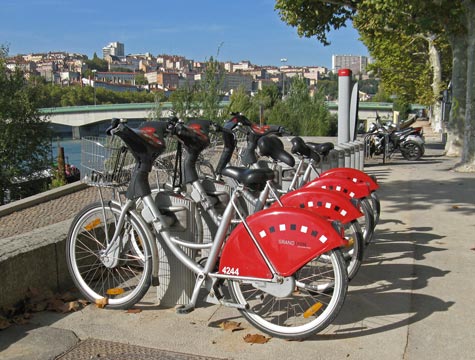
{"x": 241, "y": 30}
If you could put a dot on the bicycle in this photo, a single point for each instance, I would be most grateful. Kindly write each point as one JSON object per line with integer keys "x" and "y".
{"x": 283, "y": 267}
{"x": 351, "y": 183}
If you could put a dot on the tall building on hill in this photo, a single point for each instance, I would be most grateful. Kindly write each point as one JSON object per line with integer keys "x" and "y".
{"x": 356, "y": 63}
{"x": 114, "y": 49}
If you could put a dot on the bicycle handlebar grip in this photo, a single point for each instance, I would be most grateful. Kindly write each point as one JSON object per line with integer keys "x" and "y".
{"x": 114, "y": 124}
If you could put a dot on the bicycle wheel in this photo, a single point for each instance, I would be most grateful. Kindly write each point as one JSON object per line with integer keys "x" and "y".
{"x": 376, "y": 206}
{"x": 320, "y": 291}
{"x": 122, "y": 278}
{"x": 366, "y": 221}
{"x": 353, "y": 252}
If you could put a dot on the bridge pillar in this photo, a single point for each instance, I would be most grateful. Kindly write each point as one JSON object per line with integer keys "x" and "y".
{"x": 76, "y": 132}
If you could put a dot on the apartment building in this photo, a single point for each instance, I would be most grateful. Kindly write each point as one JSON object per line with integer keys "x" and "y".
{"x": 164, "y": 80}
{"x": 115, "y": 77}
{"x": 356, "y": 63}
{"x": 114, "y": 48}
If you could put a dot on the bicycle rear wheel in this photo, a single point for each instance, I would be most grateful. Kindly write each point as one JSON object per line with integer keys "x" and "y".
{"x": 320, "y": 291}
{"x": 123, "y": 278}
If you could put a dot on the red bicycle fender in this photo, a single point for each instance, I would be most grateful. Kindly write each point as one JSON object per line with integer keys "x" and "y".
{"x": 342, "y": 185}
{"x": 326, "y": 203}
{"x": 355, "y": 175}
{"x": 290, "y": 238}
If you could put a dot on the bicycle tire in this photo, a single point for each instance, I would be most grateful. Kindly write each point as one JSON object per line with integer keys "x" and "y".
{"x": 122, "y": 285}
{"x": 353, "y": 253}
{"x": 376, "y": 206}
{"x": 321, "y": 287}
{"x": 366, "y": 221}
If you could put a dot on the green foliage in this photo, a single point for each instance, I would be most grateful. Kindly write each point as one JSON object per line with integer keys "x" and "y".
{"x": 51, "y": 95}
{"x": 301, "y": 113}
{"x": 140, "y": 79}
{"x": 96, "y": 63}
{"x": 397, "y": 34}
{"x": 241, "y": 101}
{"x": 209, "y": 94}
{"x": 25, "y": 144}
{"x": 315, "y": 18}
{"x": 369, "y": 86}
{"x": 185, "y": 102}
{"x": 328, "y": 87}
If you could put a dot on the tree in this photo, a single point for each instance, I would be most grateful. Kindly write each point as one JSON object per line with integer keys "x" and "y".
{"x": 97, "y": 63}
{"x": 209, "y": 93}
{"x": 25, "y": 138}
{"x": 301, "y": 113}
{"x": 241, "y": 102}
{"x": 454, "y": 17}
{"x": 184, "y": 102}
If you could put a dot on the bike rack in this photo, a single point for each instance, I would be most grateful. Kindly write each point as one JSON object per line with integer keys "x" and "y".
{"x": 359, "y": 154}
{"x": 347, "y": 154}
{"x": 182, "y": 279}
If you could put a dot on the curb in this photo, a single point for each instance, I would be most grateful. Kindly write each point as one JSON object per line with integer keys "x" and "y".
{"x": 41, "y": 198}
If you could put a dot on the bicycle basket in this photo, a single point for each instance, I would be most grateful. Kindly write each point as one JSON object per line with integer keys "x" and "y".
{"x": 105, "y": 161}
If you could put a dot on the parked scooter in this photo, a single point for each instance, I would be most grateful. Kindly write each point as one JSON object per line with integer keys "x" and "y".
{"x": 386, "y": 140}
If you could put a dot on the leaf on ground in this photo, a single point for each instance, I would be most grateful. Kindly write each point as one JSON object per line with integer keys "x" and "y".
{"x": 231, "y": 325}
{"x": 256, "y": 339}
{"x": 57, "y": 305}
{"x": 455, "y": 207}
{"x": 73, "y": 306}
{"x": 84, "y": 302}
{"x": 102, "y": 302}
{"x": 134, "y": 311}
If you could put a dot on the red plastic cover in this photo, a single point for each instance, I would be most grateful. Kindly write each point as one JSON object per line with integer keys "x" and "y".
{"x": 290, "y": 238}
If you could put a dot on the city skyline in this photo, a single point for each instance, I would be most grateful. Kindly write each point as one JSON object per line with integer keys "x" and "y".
{"x": 229, "y": 31}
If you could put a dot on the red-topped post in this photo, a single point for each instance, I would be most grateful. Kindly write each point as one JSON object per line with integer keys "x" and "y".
{"x": 344, "y": 96}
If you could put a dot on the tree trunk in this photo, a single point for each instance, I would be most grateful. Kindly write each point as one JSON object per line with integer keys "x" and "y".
{"x": 468, "y": 153}
{"x": 434, "y": 58}
{"x": 455, "y": 126}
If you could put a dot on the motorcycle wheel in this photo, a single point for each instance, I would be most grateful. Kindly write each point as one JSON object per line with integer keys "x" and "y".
{"x": 412, "y": 150}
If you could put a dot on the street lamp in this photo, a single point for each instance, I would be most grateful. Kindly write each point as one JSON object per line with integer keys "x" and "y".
{"x": 283, "y": 61}
{"x": 94, "y": 84}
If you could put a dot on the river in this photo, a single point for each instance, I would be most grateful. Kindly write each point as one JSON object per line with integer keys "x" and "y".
{"x": 72, "y": 151}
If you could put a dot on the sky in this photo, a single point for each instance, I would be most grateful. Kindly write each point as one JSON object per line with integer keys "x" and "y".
{"x": 228, "y": 30}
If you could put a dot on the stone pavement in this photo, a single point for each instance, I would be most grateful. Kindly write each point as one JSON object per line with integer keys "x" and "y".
{"x": 412, "y": 299}
{"x": 47, "y": 213}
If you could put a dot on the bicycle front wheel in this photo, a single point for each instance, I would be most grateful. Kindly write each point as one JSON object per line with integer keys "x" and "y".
{"x": 367, "y": 220}
{"x": 353, "y": 251}
{"x": 320, "y": 291}
{"x": 122, "y": 277}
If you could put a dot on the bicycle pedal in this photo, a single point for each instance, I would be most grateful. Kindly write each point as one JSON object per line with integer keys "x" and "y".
{"x": 184, "y": 309}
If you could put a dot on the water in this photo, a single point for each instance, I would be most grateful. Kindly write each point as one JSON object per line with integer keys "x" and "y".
{"x": 72, "y": 151}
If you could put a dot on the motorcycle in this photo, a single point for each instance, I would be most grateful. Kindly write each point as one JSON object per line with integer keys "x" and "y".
{"x": 386, "y": 140}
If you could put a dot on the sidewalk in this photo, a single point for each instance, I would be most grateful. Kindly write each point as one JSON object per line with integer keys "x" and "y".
{"x": 412, "y": 299}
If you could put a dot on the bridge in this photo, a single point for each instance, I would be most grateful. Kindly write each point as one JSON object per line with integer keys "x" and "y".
{"x": 77, "y": 121}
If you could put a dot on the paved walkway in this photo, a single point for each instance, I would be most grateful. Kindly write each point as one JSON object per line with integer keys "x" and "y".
{"x": 411, "y": 300}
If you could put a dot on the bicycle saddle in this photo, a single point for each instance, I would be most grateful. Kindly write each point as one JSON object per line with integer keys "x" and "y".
{"x": 273, "y": 147}
{"x": 322, "y": 149}
{"x": 299, "y": 147}
{"x": 255, "y": 178}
